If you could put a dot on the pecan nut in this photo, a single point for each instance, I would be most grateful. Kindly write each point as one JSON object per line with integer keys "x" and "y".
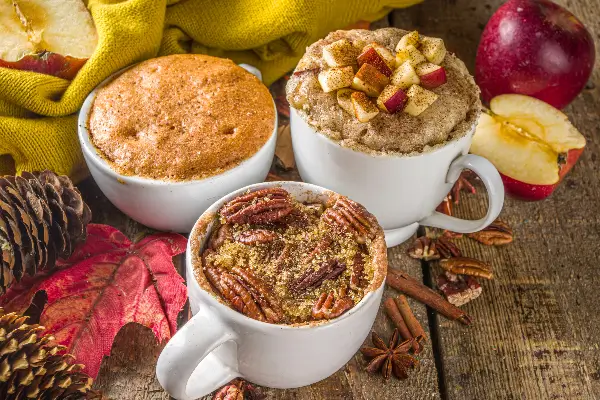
{"x": 467, "y": 266}
{"x": 458, "y": 290}
{"x": 311, "y": 278}
{"x": 423, "y": 248}
{"x": 244, "y": 291}
{"x": 495, "y": 234}
{"x": 263, "y": 206}
{"x": 446, "y": 248}
{"x": 220, "y": 236}
{"x": 328, "y": 307}
{"x": 357, "y": 277}
{"x": 445, "y": 207}
{"x": 351, "y": 217}
{"x": 463, "y": 183}
{"x": 256, "y": 236}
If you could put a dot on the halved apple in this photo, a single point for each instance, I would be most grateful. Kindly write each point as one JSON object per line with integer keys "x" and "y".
{"x": 431, "y": 75}
{"x": 54, "y": 37}
{"x": 532, "y": 144}
{"x": 371, "y": 56}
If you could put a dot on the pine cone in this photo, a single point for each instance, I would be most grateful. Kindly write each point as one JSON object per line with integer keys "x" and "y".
{"x": 31, "y": 368}
{"x": 42, "y": 219}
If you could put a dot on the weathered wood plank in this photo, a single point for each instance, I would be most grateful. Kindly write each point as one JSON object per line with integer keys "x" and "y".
{"x": 536, "y": 330}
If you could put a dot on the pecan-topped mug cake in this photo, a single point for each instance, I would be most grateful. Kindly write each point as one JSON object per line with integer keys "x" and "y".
{"x": 288, "y": 281}
{"x": 167, "y": 137}
{"x": 386, "y": 118}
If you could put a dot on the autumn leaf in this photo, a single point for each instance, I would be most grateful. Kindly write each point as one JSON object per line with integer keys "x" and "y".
{"x": 108, "y": 282}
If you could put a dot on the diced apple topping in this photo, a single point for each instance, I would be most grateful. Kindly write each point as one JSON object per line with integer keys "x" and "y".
{"x": 405, "y": 76}
{"x": 410, "y": 53}
{"x": 364, "y": 109}
{"x": 345, "y": 101}
{"x": 340, "y": 53}
{"x": 392, "y": 99}
{"x": 410, "y": 38}
{"x": 383, "y": 51}
{"x": 371, "y": 56}
{"x": 336, "y": 78}
{"x": 369, "y": 80}
{"x": 419, "y": 100}
{"x": 433, "y": 49}
{"x": 431, "y": 75}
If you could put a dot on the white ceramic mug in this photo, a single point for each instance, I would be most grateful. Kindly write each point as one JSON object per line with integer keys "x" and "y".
{"x": 164, "y": 205}
{"x": 219, "y": 344}
{"x": 401, "y": 191}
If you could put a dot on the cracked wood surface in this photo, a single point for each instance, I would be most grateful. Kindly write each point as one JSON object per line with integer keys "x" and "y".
{"x": 536, "y": 334}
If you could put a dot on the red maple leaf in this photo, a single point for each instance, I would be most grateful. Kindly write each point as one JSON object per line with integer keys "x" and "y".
{"x": 108, "y": 282}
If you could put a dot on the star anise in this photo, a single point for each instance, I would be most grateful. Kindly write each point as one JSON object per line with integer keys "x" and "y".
{"x": 393, "y": 358}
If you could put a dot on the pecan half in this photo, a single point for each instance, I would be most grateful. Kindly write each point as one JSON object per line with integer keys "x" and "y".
{"x": 446, "y": 248}
{"x": 458, "y": 290}
{"x": 327, "y": 307}
{"x": 311, "y": 278}
{"x": 467, "y": 266}
{"x": 256, "y": 236}
{"x": 463, "y": 183}
{"x": 445, "y": 207}
{"x": 244, "y": 291}
{"x": 263, "y": 206}
{"x": 220, "y": 236}
{"x": 351, "y": 217}
{"x": 357, "y": 278}
{"x": 496, "y": 234}
{"x": 423, "y": 248}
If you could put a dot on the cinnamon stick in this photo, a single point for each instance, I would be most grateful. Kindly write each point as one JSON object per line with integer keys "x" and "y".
{"x": 401, "y": 281}
{"x": 415, "y": 328}
{"x": 392, "y": 311}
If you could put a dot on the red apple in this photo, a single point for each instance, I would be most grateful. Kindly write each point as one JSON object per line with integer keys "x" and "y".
{"x": 431, "y": 75}
{"x": 372, "y": 57}
{"x": 535, "y": 48}
{"x": 532, "y": 144}
{"x": 392, "y": 100}
{"x": 49, "y": 37}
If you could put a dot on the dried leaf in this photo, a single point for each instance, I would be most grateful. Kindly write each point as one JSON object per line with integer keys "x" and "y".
{"x": 283, "y": 149}
{"x": 108, "y": 282}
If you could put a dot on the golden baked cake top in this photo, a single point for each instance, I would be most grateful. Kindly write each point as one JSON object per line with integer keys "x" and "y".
{"x": 339, "y": 89}
{"x": 181, "y": 117}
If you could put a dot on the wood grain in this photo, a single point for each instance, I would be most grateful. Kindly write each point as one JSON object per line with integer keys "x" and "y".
{"x": 536, "y": 330}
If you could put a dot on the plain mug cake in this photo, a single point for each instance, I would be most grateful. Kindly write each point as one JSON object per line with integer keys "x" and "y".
{"x": 181, "y": 117}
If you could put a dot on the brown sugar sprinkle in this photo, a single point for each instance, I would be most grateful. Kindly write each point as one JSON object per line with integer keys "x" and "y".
{"x": 291, "y": 267}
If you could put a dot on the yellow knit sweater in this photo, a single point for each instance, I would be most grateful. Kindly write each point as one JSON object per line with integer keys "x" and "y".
{"x": 38, "y": 113}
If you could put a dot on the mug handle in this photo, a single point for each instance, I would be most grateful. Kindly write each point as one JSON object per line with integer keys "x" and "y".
{"x": 185, "y": 351}
{"x": 493, "y": 184}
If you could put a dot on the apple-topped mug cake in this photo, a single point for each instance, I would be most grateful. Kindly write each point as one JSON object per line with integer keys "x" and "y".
{"x": 387, "y": 91}
{"x": 278, "y": 260}
{"x": 181, "y": 117}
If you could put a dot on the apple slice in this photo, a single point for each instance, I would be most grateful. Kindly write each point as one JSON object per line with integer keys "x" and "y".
{"x": 419, "y": 100}
{"x": 433, "y": 49}
{"x": 345, "y": 101}
{"x": 340, "y": 53}
{"x": 336, "y": 78}
{"x": 369, "y": 80}
{"x": 431, "y": 75}
{"x": 532, "y": 144}
{"x": 371, "y": 56}
{"x": 392, "y": 99}
{"x": 411, "y": 38}
{"x": 364, "y": 109}
{"x": 383, "y": 51}
{"x": 405, "y": 76}
{"x": 410, "y": 53}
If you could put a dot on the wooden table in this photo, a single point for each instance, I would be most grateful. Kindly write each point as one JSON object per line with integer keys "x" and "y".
{"x": 536, "y": 334}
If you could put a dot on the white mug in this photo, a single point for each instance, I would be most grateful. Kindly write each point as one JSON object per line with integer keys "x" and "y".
{"x": 167, "y": 205}
{"x": 401, "y": 191}
{"x": 219, "y": 344}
